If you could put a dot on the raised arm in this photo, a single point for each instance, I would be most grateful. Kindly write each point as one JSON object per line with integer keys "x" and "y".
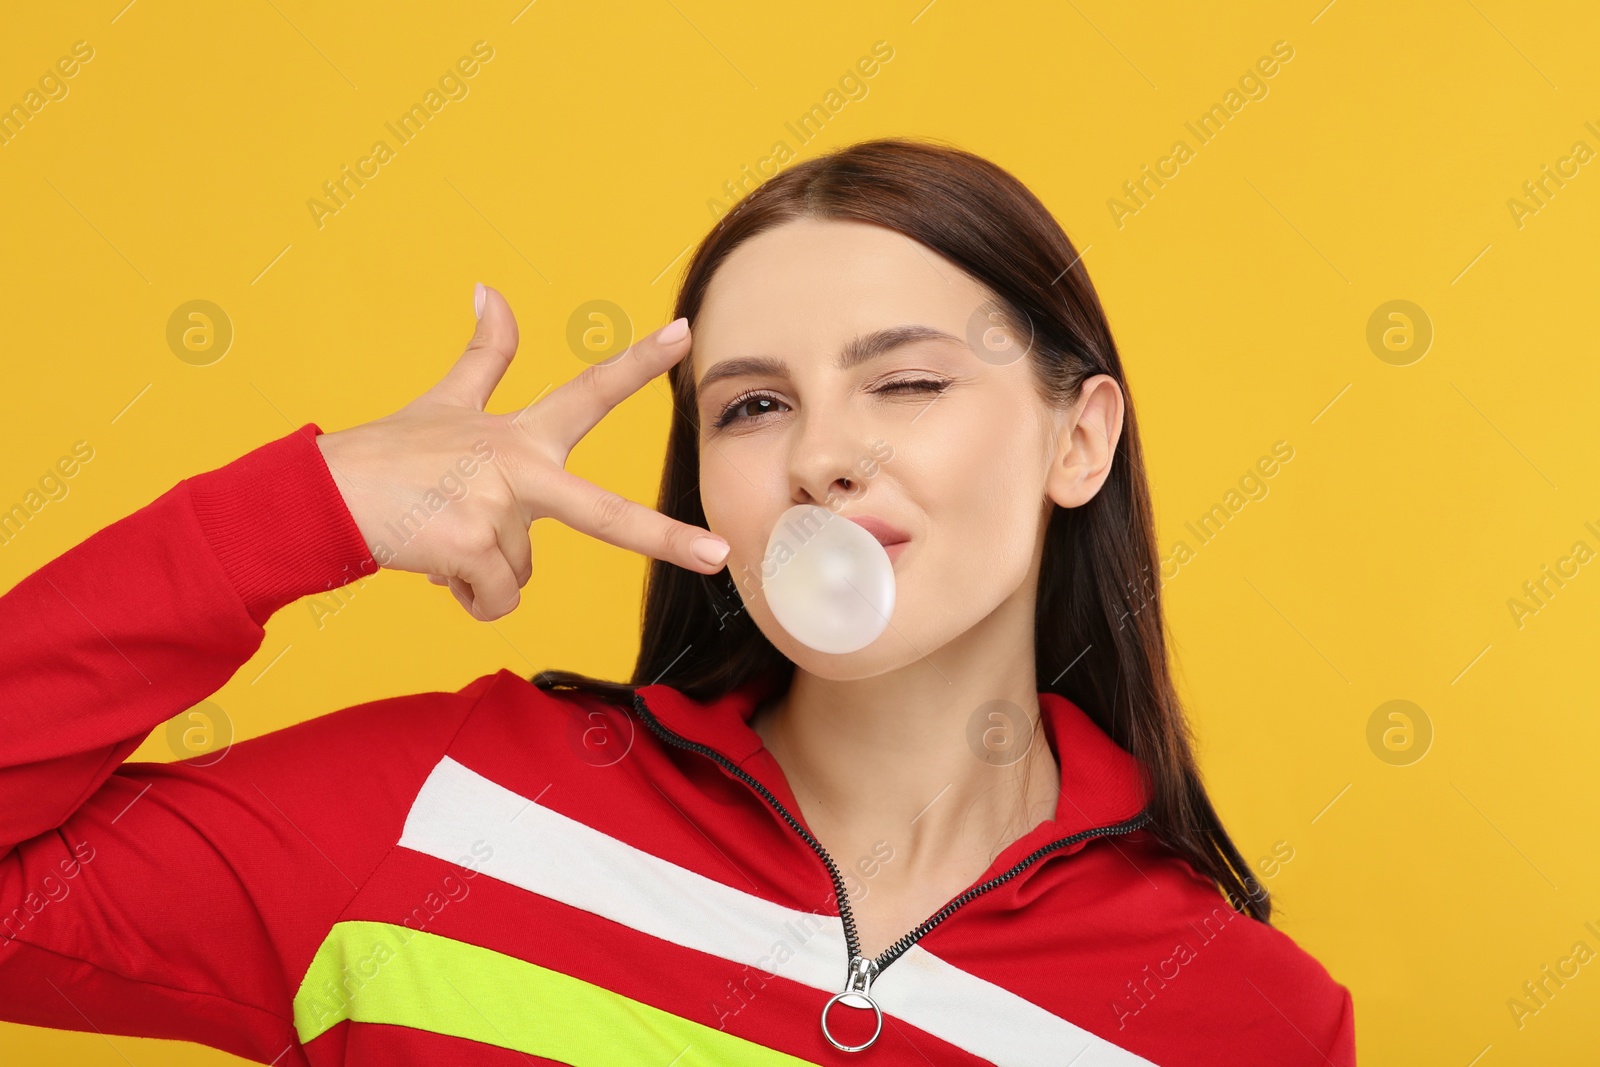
{"x": 152, "y": 614}
{"x": 184, "y": 899}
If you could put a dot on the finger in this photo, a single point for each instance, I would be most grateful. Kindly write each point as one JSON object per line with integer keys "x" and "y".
{"x": 494, "y": 587}
{"x": 475, "y": 374}
{"x": 462, "y": 592}
{"x": 515, "y": 545}
{"x": 465, "y": 596}
{"x": 573, "y": 408}
{"x": 613, "y": 518}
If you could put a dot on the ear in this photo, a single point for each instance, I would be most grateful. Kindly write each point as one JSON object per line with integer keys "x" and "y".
{"x": 1085, "y": 442}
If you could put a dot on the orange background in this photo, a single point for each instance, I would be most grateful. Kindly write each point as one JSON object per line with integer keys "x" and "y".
{"x": 1250, "y": 295}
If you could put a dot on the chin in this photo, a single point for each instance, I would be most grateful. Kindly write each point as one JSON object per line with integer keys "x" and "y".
{"x": 847, "y": 667}
{"x": 889, "y": 651}
{"x": 842, "y": 667}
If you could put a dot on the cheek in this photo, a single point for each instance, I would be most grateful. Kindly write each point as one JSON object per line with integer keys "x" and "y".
{"x": 982, "y": 492}
{"x": 742, "y": 495}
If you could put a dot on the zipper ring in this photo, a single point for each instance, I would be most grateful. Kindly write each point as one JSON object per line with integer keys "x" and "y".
{"x": 876, "y": 1030}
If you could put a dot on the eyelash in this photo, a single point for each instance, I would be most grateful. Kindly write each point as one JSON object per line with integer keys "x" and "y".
{"x": 910, "y": 385}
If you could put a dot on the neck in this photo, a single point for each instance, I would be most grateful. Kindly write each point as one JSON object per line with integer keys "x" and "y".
{"x": 933, "y": 759}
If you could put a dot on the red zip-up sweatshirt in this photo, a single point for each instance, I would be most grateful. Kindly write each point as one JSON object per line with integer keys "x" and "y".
{"x": 500, "y": 875}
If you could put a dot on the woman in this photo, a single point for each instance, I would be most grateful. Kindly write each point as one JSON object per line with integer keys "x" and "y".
{"x": 981, "y": 838}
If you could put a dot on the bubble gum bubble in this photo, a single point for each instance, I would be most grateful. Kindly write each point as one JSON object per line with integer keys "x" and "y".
{"x": 832, "y": 583}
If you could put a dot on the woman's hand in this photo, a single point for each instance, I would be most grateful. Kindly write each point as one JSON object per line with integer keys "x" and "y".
{"x": 443, "y": 488}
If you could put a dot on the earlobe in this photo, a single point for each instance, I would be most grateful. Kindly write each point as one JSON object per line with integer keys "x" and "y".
{"x": 1058, "y": 475}
{"x": 1085, "y": 442}
{"x": 1065, "y": 485}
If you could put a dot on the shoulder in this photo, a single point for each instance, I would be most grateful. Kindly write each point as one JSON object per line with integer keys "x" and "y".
{"x": 345, "y": 779}
{"x": 408, "y": 730}
{"x": 1209, "y": 972}
{"x": 517, "y": 725}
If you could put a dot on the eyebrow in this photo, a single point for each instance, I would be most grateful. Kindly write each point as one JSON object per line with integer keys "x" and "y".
{"x": 858, "y": 350}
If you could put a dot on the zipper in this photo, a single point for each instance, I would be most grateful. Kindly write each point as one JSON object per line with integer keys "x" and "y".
{"x": 861, "y": 970}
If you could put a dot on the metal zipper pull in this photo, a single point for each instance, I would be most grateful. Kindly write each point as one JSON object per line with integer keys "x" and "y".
{"x": 858, "y": 984}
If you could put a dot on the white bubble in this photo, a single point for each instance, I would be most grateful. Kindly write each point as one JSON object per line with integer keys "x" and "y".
{"x": 831, "y": 583}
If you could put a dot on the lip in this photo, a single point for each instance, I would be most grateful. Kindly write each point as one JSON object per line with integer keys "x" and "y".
{"x": 886, "y": 533}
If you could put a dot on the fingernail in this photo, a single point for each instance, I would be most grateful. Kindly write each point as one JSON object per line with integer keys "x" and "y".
{"x": 672, "y": 332}
{"x": 478, "y": 295}
{"x": 709, "y": 550}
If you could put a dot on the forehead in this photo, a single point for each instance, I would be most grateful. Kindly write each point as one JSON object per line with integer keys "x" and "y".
{"x": 809, "y": 285}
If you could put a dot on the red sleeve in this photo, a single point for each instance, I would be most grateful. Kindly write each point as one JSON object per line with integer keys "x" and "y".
{"x": 1343, "y": 1048}
{"x": 184, "y": 900}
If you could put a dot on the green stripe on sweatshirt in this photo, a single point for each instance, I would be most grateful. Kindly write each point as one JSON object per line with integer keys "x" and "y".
{"x": 374, "y": 972}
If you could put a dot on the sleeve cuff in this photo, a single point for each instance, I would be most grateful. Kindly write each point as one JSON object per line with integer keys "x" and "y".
{"x": 279, "y": 525}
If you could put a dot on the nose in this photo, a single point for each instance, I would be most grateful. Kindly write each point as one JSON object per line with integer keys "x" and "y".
{"x": 827, "y": 457}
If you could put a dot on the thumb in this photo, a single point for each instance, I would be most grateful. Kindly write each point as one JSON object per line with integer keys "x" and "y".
{"x": 474, "y": 376}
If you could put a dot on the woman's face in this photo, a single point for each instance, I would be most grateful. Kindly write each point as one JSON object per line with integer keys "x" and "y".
{"x": 953, "y": 447}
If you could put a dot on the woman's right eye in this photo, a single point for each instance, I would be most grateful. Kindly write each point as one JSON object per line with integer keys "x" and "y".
{"x": 730, "y": 414}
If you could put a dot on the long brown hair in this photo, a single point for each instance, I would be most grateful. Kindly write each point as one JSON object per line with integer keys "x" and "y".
{"x": 1099, "y": 632}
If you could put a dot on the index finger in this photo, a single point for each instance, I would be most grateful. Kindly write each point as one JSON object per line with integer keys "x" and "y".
{"x": 574, "y": 408}
{"x": 613, "y": 518}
